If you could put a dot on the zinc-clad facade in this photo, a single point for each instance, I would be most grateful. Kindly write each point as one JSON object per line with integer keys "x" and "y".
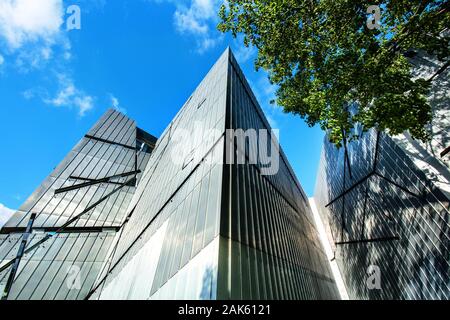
{"x": 388, "y": 206}
{"x": 172, "y": 218}
{"x": 114, "y": 147}
{"x": 387, "y": 214}
{"x": 269, "y": 248}
{"x": 203, "y": 228}
{"x": 169, "y": 248}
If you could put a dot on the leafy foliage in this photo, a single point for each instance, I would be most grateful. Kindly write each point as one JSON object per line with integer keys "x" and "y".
{"x": 332, "y": 70}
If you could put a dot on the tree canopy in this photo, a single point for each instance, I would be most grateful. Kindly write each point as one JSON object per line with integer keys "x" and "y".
{"x": 335, "y": 69}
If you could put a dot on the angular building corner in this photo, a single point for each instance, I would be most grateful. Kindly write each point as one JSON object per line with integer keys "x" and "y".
{"x": 123, "y": 218}
{"x": 385, "y": 202}
{"x": 56, "y": 244}
{"x": 204, "y": 228}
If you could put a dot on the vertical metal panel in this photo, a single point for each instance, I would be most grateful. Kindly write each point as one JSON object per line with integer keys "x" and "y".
{"x": 268, "y": 214}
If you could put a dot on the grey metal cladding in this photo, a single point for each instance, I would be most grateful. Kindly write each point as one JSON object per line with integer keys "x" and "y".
{"x": 89, "y": 159}
{"x": 176, "y": 207}
{"x": 194, "y": 236}
{"x": 195, "y": 227}
{"x": 163, "y": 177}
{"x": 108, "y": 149}
{"x": 395, "y": 219}
{"x": 273, "y": 248}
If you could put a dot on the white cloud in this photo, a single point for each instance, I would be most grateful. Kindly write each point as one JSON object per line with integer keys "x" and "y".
{"x": 31, "y": 32}
{"x": 186, "y": 22}
{"x": 207, "y": 43}
{"x": 29, "y": 94}
{"x": 84, "y": 104}
{"x": 68, "y": 96}
{"x": 198, "y": 19}
{"x": 5, "y": 214}
{"x": 33, "y": 36}
{"x": 116, "y": 105}
{"x": 23, "y": 21}
{"x": 33, "y": 58}
{"x": 46, "y": 53}
{"x": 195, "y": 18}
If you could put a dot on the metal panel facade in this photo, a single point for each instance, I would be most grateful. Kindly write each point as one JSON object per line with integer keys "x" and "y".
{"x": 269, "y": 247}
{"x": 382, "y": 211}
{"x": 64, "y": 242}
{"x": 176, "y": 208}
{"x": 205, "y": 230}
{"x": 195, "y": 227}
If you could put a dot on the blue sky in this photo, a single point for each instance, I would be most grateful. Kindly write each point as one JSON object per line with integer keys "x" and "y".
{"x": 143, "y": 57}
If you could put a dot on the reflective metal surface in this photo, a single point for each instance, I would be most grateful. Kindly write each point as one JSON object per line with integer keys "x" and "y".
{"x": 80, "y": 247}
{"x": 387, "y": 215}
{"x": 202, "y": 229}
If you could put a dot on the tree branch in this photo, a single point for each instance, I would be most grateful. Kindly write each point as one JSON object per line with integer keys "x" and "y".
{"x": 441, "y": 69}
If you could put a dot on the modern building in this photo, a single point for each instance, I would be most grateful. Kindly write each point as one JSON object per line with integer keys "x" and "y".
{"x": 55, "y": 245}
{"x": 386, "y": 204}
{"x": 199, "y": 225}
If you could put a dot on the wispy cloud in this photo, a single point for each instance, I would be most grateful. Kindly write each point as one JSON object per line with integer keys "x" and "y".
{"x": 70, "y": 96}
{"x": 5, "y": 214}
{"x": 32, "y": 36}
{"x": 67, "y": 95}
{"x": 187, "y": 22}
{"x": 33, "y": 58}
{"x": 197, "y": 19}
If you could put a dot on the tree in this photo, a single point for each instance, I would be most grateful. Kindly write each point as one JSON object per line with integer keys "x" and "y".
{"x": 333, "y": 70}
